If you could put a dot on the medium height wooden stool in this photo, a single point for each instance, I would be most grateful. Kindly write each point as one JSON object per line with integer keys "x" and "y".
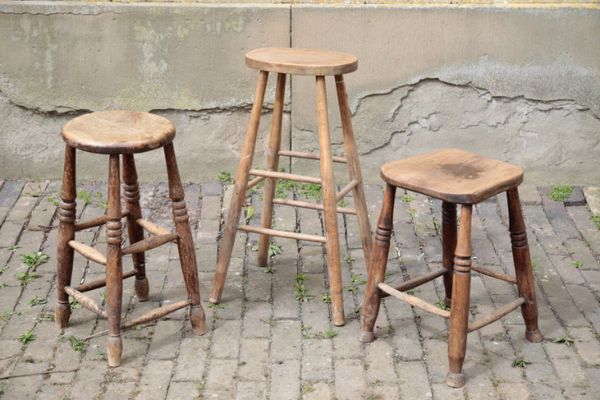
{"x": 122, "y": 133}
{"x": 455, "y": 177}
{"x": 318, "y": 63}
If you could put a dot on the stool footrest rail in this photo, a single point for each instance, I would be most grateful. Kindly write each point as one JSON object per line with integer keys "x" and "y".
{"x": 413, "y": 300}
{"x": 284, "y": 234}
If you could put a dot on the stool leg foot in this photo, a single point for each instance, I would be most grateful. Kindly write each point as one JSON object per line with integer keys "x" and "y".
{"x": 239, "y": 192}
{"x": 455, "y": 380}
{"x": 329, "y": 207}
{"x": 66, "y": 233}
{"x": 198, "y": 320}
{"x": 523, "y": 270}
{"x": 459, "y": 313}
{"x": 358, "y": 193}
{"x": 131, "y": 193}
{"x": 272, "y": 164}
{"x": 448, "y": 246}
{"x": 114, "y": 349}
{"x": 377, "y": 265}
{"x": 114, "y": 267}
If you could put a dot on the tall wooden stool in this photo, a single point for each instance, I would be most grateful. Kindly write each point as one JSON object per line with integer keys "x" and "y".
{"x": 318, "y": 63}
{"x": 455, "y": 177}
{"x": 122, "y": 133}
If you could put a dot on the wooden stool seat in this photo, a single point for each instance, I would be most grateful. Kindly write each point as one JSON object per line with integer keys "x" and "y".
{"x": 301, "y": 61}
{"x": 453, "y": 175}
{"x": 118, "y": 132}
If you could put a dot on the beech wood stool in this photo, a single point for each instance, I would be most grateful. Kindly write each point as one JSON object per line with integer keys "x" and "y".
{"x": 318, "y": 63}
{"x": 455, "y": 177}
{"x": 122, "y": 133}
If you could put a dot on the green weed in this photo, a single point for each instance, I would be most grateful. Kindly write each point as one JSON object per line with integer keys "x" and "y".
{"x": 36, "y": 301}
{"x": 225, "y": 177}
{"x": 520, "y": 363}
{"x": 34, "y": 259}
{"x": 27, "y": 337}
{"x": 560, "y": 192}
{"x": 407, "y": 198}
{"x": 566, "y": 340}
{"x": 577, "y": 264}
{"x": 442, "y": 305}
{"x": 596, "y": 220}
{"x": 300, "y": 290}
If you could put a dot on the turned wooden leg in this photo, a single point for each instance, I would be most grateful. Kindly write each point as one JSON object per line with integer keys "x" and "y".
{"x": 114, "y": 268}
{"x": 459, "y": 313}
{"x": 185, "y": 243}
{"x": 448, "y": 246}
{"x": 136, "y": 232}
{"x": 377, "y": 265}
{"x": 239, "y": 191}
{"x": 272, "y": 164}
{"x": 523, "y": 270}
{"x": 66, "y": 233}
{"x": 358, "y": 193}
{"x": 329, "y": 206}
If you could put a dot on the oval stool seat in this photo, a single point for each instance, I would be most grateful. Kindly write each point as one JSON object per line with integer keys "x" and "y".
{"x": 298, "y": 61}
{"x": 118, "y": 132}
{"x": 453, "y": 175}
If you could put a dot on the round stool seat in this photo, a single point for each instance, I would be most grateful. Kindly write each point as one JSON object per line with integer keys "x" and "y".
{"x": 118, "y": 132}
{"x": 301, "y": 61}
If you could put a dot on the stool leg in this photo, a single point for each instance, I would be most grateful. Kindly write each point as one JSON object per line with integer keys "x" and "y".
{"x": 377, "y": 265}
{"x": 358, "y": 193}
{"x": 523, "y": 270}
{"x": 239, "y": 191}
{"x": 272, "y": 157}
{"x": 114, "y": 268}
{"x": 185, "y": 243}
{"x": 66, "y": 233}
{"x": 459, "y": 313}
{"x": 329, "y": 206}
{"x": 136, "y": 233}
{"x": 448, "y": 245}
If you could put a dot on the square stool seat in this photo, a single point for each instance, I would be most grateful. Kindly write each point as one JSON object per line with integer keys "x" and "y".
{"x": 453, "y": 175}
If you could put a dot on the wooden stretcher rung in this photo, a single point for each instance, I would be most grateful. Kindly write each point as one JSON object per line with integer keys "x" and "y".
{"x": 90, "y": 223}
{"x": 85, "y": 301}
{"x": 152, "y": 227}
{"x": 310, "y": 156}
{"x": 496, "y": 315}
{"x": 284, "y": 234}
{"x": 255, "y": 182}
{"x": 101, "y": 282}
{"x": 418, "y": 281}
{"x": 88, "y": 252}
{"x": 155, "y": 314}
{"x": 413, "y": 301}
{"x": 346, "y": 189}
{"x": 149, "y": 243}
{"x": 313, "y": 206}
{"x": 285, "y": 175}
{"x": 493, "y": 274}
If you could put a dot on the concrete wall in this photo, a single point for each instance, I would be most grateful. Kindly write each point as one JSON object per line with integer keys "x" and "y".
{"x": 519, "y": 83}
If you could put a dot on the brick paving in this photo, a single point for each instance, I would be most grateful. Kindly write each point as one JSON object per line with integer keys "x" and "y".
{"x": 263, "y": 342}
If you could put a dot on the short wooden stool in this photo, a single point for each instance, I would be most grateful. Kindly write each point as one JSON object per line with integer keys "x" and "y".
{"x": 122, "y": 133}
{"x": 318, "y": 63}
{"x": 455, "y": 177}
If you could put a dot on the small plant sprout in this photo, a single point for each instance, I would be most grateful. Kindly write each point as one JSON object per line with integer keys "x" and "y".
{"x": 14, "y": 247}
{"x": 27, "y": 337}
{"x": 596, "y": 220}
{"x": 283, "y": 187}
{"x": 34, "y": 259}
{"x": 520, "y": 363}
{"x": 577, "y": 264}
{"x": 311, "y": 191}
{"x": 200, "y": 385}
{"x": 348, "y": 258}
{"x": 36, "y": 301}
{"x": 567, "y": 340}
{"x": 442, "y": 305}
{"x": 407, "y": 198}
{"x": 560, "y": 192}
{"x": 249, "y": 213}
{"x": 26, "y": 277}
{"x": 413, "y": 291}
{"x": 225, "y": 177}
{"x": 308, "y": 334}
{"x": 326, "y": 297}
{"x": 274, "y": 249}
{"x": 356, "y": 281}
{"x": 269, "y": 269}
{"x": 53, "y": 199}
{"x": 74, "y": 304}
{"x": 46, "y": 316}
{"x": 84, "y": 196}
{"x": 78, "y": 345}
{"x": 300, "y": 290}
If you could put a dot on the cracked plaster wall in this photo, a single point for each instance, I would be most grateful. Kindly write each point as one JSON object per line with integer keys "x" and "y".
{"x": 522, "y": 85}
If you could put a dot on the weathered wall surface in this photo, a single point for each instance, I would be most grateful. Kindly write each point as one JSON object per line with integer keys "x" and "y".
{"x": 519, "y": 83}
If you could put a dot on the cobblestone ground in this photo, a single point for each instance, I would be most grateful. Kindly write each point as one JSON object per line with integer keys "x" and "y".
{"x": 272, "y": 337}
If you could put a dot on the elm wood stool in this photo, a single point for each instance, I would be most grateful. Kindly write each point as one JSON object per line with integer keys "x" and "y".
{"x": 122, "y": 133}
{"x": 318, "y": 63}
{"x": 455, "y": 177}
